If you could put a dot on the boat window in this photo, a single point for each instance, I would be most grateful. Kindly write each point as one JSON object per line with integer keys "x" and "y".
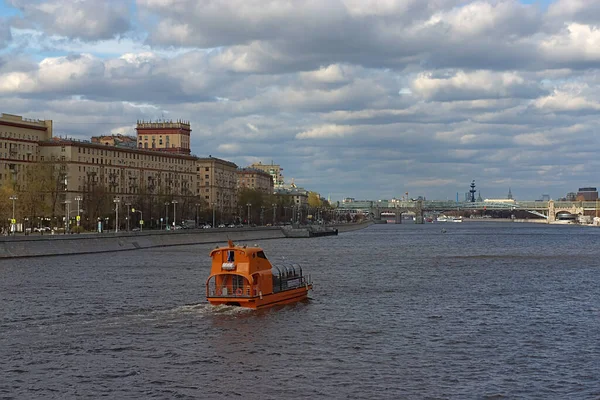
{"x": 261, "y": 254}
{"x": 230, "y": 256}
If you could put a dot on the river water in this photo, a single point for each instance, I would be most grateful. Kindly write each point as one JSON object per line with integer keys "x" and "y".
{"x": 477, "y": 310}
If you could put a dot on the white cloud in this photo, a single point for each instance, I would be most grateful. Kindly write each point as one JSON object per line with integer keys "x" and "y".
{"x": 326, "y": 132}
{"x": 83, "y": 19}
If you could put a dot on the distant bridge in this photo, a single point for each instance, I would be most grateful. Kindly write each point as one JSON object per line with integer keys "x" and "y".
{"x": 543, "y": 209}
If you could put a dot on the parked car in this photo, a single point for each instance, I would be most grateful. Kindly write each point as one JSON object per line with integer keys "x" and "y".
{"x": 221, "y": 226}
{"x": 207, "y": 226}
{"x": 231, "y": 226}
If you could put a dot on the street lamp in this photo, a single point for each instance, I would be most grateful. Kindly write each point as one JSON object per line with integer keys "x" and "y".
{"x": 133, "y": 210}
{"x": 248, "y": 205}
{"x": 174, "y": 213}
{"x": 128, "y": 205}
{"x": 274, "y": 209}
{"x": 68, "y": 213}
{"x": 78, "y": 199}
{"x": 116, "y": 201}
{"x": 167, "y": 215}
{"x": 262, "y": 215}
{"x": 214, "y": 204}
{"x": 197, "y": 213}
{"x": 13, "y": 221}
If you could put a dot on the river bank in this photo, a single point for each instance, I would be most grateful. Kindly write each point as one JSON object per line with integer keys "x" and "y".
{"x": 48, "y": 245}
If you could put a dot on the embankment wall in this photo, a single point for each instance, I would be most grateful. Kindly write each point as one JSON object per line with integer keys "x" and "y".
{"x": 48, "y": 245}
{"x": 35, "y": 246}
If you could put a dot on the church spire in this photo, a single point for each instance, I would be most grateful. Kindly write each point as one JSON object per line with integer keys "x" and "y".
{"x": 510, "y": 196}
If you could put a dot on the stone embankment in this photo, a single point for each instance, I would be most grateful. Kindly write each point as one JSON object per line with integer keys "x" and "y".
{"x": 48, "y": 245}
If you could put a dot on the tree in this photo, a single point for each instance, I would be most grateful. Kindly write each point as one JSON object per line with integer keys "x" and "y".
{"x": 36, "y": 199}
{"x": 314, "y": 200}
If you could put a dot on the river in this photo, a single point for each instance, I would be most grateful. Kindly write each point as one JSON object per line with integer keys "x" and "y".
{"x": 443, "y": 311}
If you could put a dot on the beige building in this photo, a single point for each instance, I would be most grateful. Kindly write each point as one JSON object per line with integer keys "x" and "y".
{"x": 167, "y": 136}
{"x": 19, "y": 148}
{"x": 217, "y": 184}
{"x": 105, "y": 179}
{"x": 272, "y": 169}
{"x": 255, "y": 179}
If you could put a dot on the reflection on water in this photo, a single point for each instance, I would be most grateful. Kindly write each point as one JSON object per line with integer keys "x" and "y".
{"x": 482, "y": 310}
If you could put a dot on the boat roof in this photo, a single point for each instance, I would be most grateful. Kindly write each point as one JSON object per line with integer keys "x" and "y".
{"x": 244, "y": 248}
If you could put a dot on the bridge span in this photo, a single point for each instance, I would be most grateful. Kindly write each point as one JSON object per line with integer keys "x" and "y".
{"x": 542, "y": 209}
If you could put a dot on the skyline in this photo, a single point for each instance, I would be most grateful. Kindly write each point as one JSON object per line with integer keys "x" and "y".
{"x": 353, "y": 98}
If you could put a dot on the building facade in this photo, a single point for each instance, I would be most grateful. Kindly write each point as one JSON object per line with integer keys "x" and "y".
{"x": 587, "y": 194}
{"x": 168, "y": 136}
{"x": 217, "y": 185}
{"x": 272, "y": 169}
{"x": 19, "y": 138}
{"x": 256, "y": 179}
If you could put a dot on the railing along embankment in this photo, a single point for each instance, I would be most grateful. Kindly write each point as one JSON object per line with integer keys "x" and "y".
{"x": 48, "y": 245}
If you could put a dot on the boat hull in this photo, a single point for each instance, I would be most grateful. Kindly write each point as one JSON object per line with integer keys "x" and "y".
{"x": 274, "y": 299}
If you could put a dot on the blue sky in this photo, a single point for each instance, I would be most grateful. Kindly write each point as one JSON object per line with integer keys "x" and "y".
{"x": 357, "y": 99}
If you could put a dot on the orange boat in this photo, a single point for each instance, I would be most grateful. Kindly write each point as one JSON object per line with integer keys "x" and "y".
{"x": 243, "y": 276}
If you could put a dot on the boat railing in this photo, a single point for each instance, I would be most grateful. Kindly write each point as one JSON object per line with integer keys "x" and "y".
{"x": 230, "y": 291}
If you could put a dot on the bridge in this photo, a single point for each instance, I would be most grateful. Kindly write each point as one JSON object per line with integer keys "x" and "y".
{"x": 542, "y": 209}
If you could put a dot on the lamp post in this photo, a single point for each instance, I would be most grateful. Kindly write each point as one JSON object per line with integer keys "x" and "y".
{"x": 248, "y": 205}
{"x": 128, "y": 205}
{"x": 274, "y": 209}
{"x": 214, "y": 205}
{"x": 78, "y": 199}
{"x": 174, "y": 213}
{"x": 262, "y": 215}
{"x": 116, "y": 201}
{"x": 68, "y": 213}
{"x": 197, "y": 213}
{"x": 141, "y": 218}
{"x": 13, "y": 221}
{"x": 167, "y": 215}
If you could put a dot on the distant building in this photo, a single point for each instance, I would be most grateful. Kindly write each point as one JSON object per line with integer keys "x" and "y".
{"x": 510, "y": 195}
{"x": 251, "y": 178}
{"x": 272, "y": 169}
{"x": 587, "y": 194}
{"x": 168, "y": 136}
{"x": 571, "y": 196}
{"x": 116, "y": 140}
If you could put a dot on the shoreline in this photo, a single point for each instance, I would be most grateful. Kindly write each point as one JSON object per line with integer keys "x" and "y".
{"x": 89, "y": 243}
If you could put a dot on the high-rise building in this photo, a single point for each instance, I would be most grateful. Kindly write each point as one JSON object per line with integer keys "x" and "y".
{"x": 587, "y": 194}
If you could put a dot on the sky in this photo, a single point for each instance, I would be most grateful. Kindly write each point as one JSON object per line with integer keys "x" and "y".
{"x": 368, "y": 99}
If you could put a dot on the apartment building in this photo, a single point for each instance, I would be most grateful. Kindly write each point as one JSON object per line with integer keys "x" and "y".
{"x": 256, "y": 179}
{"x": 274, "y": 170}
{"x": 19, "y": 138}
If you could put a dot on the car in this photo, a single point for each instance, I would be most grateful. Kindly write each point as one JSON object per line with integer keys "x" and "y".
{"x": 207, "y": 226}
{"x": 231, "y": 226}
{"x": 222, "y": 226}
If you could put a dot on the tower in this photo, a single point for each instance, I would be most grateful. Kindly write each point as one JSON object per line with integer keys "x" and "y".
{"x": 472, "y": 192}
{"x": 510, "y": 196}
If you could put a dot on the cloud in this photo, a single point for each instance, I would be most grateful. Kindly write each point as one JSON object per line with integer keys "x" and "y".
{"x": 359, "y": 98}
{"x": 82, "y": 19}
{"x": 326, "y": 132}
{"x": 463, "y": 85}
{"x": 5, "y": 34}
